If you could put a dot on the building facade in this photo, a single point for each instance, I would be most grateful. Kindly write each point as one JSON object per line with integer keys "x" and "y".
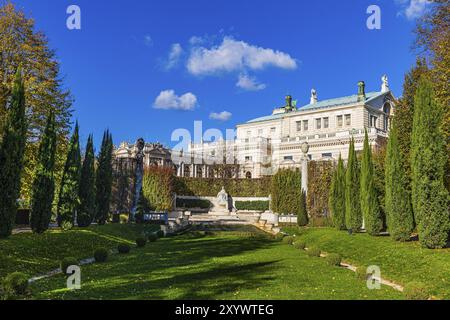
{"x": 266, "y": 144}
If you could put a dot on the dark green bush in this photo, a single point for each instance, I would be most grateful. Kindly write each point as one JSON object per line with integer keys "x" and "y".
{"x": 300, "y": 244}
{"x": 141, "y": 242}
{"x": 416, "y": 291}
{"x": 160, "y": 234}
{"x": 67, "y": 262}
{"x": 313, "y": 252}
{"x": 193, "y": 203}
{"x": 123, "y": 248}
{"x": 152, "y": 237}
{"x": 288, "y": 240}
{"x": 157, "y": 188}
{"x": 259, "y": 205}
{"x": 334, "y": 259}
{"x": 101, "y": 255}
{"x": 279, "y": 236}
{"x": 15, "y": 283}
{"x": 286, "y": 191}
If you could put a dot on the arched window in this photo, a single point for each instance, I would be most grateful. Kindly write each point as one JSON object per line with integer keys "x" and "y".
{"x": 387, "y": 113}
{"x": 248, "y": 175}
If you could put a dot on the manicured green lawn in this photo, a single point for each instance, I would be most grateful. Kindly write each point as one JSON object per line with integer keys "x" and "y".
{"x": 34, "y": 254}
{"x": 238, "y": 264}
{"x": 399, "y": 262}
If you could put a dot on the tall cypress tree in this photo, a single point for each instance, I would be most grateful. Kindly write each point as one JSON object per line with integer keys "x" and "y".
{"x": 69, "y": 201}
{"x": 337, "y": 196}
{"x": 43, "y": 192}
{"x": 373, "y": 221}
{"x": 104, "y": 179}
{"x": 12, "y": 146}
{"x": 353, "y": 216}
{"x": 86, "y": 212}
{"x": 428, "y": 163}
{"x": 399, "y": 215}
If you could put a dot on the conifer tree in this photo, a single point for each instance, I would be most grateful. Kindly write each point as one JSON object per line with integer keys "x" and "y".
{"x": 428, "y": 163}
{"x": 69, "y": 201}
{"x": 12, "y": 146}
{"x": 337, "y": 196}
{"x": 104, "y": 179}
{"x": 86, "y": 212}
{"x": 399, "y": 215}
{"x": 302, "y": 215}
{"x": 353, "y": 216}
{"x": 43, "y": 192}
{"x": 370, "y": 208}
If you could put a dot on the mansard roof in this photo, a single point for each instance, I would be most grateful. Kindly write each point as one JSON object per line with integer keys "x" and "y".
{"x": 325, "y": 104}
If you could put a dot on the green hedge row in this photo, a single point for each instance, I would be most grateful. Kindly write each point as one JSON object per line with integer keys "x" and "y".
{"x": 193, "y": 203}
{"x": 157, "y": 188}
{"x": 210, "y": 187}
{"x": 259, "y": 205}
{"x": 286, "y": 192}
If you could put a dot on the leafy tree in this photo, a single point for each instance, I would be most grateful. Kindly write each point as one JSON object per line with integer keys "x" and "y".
{"x": 353, "y": 217}
{"x": 86, "y": 212}
{"x": 428, "y": 162}
{"x": 379, "y": 159}
{"x": 400, "y": 220}
{"x": 44, "y": 181}
{"x": 21, "y": 45}
{"x": 370, "y": 207}
{"x": 104, "y": 179}
{"x": 337, "y": 196}
{"x": 12, "y": 147}
{"x": 302, "y": 214}
{"x": 68, "y": 202}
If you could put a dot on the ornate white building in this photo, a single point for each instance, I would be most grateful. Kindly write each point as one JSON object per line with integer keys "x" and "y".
{"x": 266, "y": 144}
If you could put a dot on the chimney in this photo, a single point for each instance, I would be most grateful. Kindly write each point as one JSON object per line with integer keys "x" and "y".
{"x": 361, "y": 91}
{"x": 313, "y": 96}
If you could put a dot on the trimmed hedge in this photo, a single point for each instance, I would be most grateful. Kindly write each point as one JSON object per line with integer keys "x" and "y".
{"x": 123, "y": 248}
{"x": 286, "y": 192}
{"x": 15, "y": 283}
{"x": 141, "y": 242}
{"x": 157, "y": 188}
{"x": 313, "y": 252}
{"x": 101, "y": 255}
{"x": 259, "y": 205}
{"x": 193, "y": 203}
{"x": 288, "y": 240}
{"x": 334, "y": 259}
{"x": 210, "y": 187}
{"x": 67, "y": 262}
{"x": 301, "y": 245}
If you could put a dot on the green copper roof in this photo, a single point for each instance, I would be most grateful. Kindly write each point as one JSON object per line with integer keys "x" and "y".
{"x": 322, "y": 105}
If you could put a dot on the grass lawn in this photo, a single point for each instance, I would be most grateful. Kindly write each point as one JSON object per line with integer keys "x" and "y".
{"x": 399, "y": 262}
{"x": 242, "y": 263}
{"x": 34, "y": 254}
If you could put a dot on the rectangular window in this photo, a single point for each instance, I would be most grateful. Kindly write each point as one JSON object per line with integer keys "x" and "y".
{"x": 327, "y": 155}
{"x": 373, "y": 121}
{"x": 348, "y": 119}
{"x": 318, "y": 124}
{"x": 299, "y": 126}
{"x": 305, "y": 125}
{"x": 288, "y": 158}
{"x": 248, "y": 158}
{"x": 326, "y": 123}
{"x": 339, "y": 121}
{"x": 273, "y": 130}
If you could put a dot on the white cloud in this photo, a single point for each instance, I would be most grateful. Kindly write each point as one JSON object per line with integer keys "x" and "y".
{"x": 413, "y": 9}
{"x": 249, "y": 83}
{"x": 232, "y": 55}
{"x": 174, "y": 56}
{"x": 221, "y": 116}
{"x": 168, "y": 100}
{"x": 148, "y": 41}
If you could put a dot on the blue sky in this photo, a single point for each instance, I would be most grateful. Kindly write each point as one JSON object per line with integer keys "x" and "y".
{"x": 145, "y": 68}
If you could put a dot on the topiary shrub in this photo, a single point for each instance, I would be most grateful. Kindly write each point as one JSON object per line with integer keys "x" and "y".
{"x": 300, "y": 244}
{"x": 123, "y": 248}
{"x": 361, "y": 273}
{"x": 279, "y": 236}
{"x": 334, "y": 259}
{"x": 15, "y": 283}
{"x": 288, "y": 240}
{"x": 141, "y": 242}
{"x": 313, "y": 252}
{"x": 259, "y": 205}
{"x": 101, "y": 255}
{"x": 416, "y": 291}
{"x": 67, "y": 262}
{"x": 160, "y": 234}
{"x": 152, "y": 237}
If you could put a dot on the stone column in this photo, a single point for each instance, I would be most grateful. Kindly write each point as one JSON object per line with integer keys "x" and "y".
{"x": 192, "y": 170}
{"x": 182, "y": 169}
